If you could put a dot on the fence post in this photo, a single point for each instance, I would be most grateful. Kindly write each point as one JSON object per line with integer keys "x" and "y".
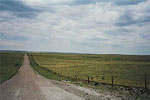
{"x": 112, "y": 82}
{"x": 68, "y": 74}
{"x": 55, "y": 71}
{"x": 88, "y": 79}
{"x": 145, "y": 83}
{"x": 76, "y": 78}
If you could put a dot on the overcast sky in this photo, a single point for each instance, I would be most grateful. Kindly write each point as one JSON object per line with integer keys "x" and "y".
{"x": 81, "y": 26}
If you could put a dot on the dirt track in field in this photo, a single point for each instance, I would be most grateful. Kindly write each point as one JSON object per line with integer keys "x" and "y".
{"x": 26, "y": 85}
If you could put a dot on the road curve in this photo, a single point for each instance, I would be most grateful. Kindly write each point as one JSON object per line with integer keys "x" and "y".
{"x": 26, "y": 85}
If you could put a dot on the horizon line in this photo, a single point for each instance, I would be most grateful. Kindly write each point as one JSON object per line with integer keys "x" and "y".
{"x": 38, "y": 51}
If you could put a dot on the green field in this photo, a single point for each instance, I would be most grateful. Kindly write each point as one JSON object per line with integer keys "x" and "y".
{"x": 10, "y": 63}
{"x": 128, "y": 70}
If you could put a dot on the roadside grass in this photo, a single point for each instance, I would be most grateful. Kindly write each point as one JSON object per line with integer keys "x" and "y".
{"x": 46, "y": 72}
{"x": 55, "y": 67}
{"x": 127, "y": 70}
{"x": 10, "y": 63}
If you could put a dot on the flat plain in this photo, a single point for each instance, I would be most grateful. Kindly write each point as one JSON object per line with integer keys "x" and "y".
{"x": 127, "y": 70}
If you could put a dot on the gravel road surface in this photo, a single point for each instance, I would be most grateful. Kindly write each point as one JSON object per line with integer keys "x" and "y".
{"x": 27, "y": 85}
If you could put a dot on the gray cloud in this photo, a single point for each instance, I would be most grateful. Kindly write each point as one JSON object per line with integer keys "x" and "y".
{"x": 18, "y": 8}
{"x": 102, "y": 27}
{"x": 117, "y": 2}
{"x": 127, "y": 2}
{"x": 128, "y": 19}
{"x": 135, "y": 15}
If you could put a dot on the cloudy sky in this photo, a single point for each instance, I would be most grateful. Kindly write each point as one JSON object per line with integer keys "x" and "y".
{"x": 81, "y": 26}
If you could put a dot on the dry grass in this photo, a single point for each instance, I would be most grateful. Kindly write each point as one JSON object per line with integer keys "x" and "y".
{"x": 10, "y": 63}
{"x": 127, "y": 70}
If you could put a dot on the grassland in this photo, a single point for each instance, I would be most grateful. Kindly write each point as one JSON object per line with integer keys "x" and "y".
{"x": 127, "y": 70}
{"x": 46, "y": 72}
{"x": 10, "y": 63}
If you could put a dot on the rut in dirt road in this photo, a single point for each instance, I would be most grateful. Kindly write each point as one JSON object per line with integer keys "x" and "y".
{"x": 26, "y": 85}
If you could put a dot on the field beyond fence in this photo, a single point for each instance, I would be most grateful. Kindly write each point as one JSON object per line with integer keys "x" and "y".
{"x": 126, "y": 70}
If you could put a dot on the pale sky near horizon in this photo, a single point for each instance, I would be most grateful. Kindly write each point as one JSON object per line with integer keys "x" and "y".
{"x": 80, "y": 26}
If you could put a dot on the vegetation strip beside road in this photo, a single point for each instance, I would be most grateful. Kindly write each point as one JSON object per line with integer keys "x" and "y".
{"x": 46, "y": 72}
{"x": 121, "y": 90}
{"x": 10, "y": 63}
{"x": 125, "y": 69}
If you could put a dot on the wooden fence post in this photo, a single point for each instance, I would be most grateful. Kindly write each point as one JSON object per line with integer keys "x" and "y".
{"x": 76, "y": 78}
{"x": 88, "y": 79}
{"x": 68, "y": 74}
{"x": 55, "y": 71}
{"x": 145, "y": 83}
{"x": 61, "y": 71}
{"x": 112, "y": 82}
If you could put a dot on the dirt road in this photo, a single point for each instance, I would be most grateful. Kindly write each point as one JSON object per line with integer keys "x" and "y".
{"x": 26, "y": 85}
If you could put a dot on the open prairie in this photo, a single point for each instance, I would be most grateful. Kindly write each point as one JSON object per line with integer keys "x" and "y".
{"x": 10, "y": 62}
{"x": 127, "y": 70}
